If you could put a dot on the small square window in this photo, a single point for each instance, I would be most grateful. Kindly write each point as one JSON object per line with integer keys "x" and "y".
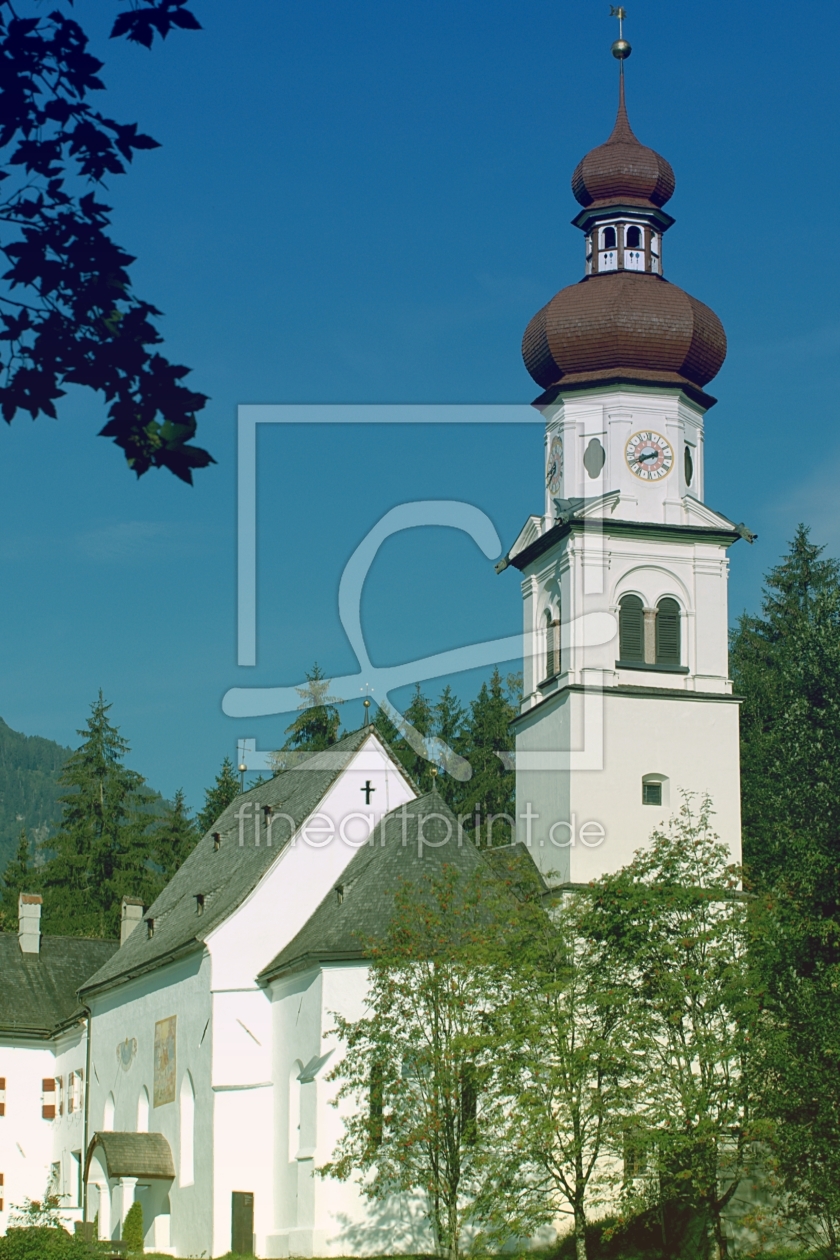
{"x": 651, "y": 793}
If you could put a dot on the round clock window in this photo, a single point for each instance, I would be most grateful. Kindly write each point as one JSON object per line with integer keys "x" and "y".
{"x": 649, "y": 455}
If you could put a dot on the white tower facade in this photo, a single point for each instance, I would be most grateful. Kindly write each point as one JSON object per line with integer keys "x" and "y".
{"x": 627, "y": 701}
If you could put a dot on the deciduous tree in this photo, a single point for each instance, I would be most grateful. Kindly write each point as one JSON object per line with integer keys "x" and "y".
{"x": 68, "y": 314}
{"x": 675, "y": 926}
{"x": 418, "y": 1065}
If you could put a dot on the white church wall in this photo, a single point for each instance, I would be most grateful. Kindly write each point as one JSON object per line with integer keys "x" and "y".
{"x": 123, "y": 1065}
{"x": 26, "y": 1137}
{"x": 275, "y": 911}
{"x": 317, "y": 1215}
{"x": 243, "y": 1104}
{"x": 691, "y": 743}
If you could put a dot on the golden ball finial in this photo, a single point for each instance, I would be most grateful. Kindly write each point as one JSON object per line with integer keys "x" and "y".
{"x": 621, "y": 49}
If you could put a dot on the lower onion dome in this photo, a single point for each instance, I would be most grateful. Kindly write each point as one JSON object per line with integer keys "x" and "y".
{"x": 624, "y": 325}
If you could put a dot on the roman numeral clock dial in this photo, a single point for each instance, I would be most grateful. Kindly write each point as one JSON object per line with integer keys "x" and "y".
{"x": 649, "y": 456}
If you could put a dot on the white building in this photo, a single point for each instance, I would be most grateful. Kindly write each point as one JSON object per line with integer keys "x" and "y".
{"x": 184, "y": 1041}
{"x": 43, "y": 1062}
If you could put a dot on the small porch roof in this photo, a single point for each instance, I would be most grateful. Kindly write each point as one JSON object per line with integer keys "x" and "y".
{"x": 143, "y": 1155}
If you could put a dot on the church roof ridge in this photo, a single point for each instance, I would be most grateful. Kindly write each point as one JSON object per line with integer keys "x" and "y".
{"x": 224, "y": 877}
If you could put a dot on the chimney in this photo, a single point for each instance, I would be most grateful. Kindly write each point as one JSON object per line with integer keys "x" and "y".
{"x": 29, "y": 923}
{"x": 130, "y": 915}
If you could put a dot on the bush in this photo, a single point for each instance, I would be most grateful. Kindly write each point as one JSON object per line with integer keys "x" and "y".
{"x": 42, "y": 1242}
{"x": 132, "y": 1230}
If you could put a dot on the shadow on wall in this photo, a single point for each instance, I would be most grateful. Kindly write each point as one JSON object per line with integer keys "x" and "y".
{"x": 392, "y": 1226}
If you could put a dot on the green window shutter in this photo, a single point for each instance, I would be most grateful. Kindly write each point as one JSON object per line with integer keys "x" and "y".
{"x": 631, "y": 628}
{"x": 668, "y": 632}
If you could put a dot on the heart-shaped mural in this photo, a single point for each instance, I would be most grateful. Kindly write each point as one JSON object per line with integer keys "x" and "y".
{"x": 126, "y": 1051}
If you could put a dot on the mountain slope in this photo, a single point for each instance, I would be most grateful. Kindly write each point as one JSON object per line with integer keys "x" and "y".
{"x": 29, "y": 790}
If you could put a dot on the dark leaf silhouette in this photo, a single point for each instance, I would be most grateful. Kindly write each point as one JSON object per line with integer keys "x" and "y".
{"x": 68, "y": 311}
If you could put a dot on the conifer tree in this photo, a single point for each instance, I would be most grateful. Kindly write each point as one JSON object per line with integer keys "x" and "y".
{"x": 490, "y": 790}
{"x": 174, "y": 837}
{"x": 101, "y": 851}
{"x": 317, "y": 725}
{"x": 217, "y": 798}
{"x": 19, "y": 877}
{"x": 785, "y": 664}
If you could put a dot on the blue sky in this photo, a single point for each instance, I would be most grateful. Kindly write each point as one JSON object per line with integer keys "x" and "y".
{"x": 367, "y": 203}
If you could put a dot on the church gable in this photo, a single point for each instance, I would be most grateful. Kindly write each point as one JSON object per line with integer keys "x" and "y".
{"x": 232, "y": 859}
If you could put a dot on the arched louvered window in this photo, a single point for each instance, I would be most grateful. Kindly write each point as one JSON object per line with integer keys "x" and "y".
{"x": 609, "y": 238}
{"x": 668, "y": 632}
{"x": 631, "y": 628}
{"x": 634, "y": 238}
{"x": 552, "y": 644}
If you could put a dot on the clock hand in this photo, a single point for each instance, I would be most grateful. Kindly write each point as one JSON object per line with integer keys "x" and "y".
{"x": 648, "y": 455}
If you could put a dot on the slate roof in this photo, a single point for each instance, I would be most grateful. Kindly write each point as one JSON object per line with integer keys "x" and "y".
{"x": 38, "y": 991}
{"x": 133, "y": 1154}
{"x": 226, "y": 876}
{"x": 358, "y": 908}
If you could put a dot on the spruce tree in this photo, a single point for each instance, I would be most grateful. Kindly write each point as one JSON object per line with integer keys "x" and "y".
{"x": 174, "y": 837}
{"x": 317, "y": 725}
{"x": 101, "y": 851}
{"x": 488, "y": 743}
{"x": 217, "y": 798}
{"x": 19, "y": 877}
{"x": 785, "y": 664}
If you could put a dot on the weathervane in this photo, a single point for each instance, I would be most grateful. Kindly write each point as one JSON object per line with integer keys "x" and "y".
{"x": 620, "y": 49}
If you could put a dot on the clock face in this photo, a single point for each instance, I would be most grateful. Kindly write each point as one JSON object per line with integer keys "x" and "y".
{"x": 554, "y": 467}
{"x": 649, "y": 455}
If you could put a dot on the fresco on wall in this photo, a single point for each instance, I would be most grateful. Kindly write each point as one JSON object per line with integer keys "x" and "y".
{"x": 126, "y": 1051}
{"x": 165, "y": 1061}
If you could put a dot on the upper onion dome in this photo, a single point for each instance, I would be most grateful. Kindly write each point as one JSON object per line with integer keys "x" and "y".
{"x": 622, "y": 169}
{"x": 624, "y": 322}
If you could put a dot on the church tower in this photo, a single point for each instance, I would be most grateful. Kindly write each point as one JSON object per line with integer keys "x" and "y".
{"x": 627, "y": 699}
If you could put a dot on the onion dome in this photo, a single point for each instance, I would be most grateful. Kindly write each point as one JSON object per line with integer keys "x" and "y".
{"x": 624, "y": 322}
{"x": 624, "y": 326}
{"x": 622, "y": 169}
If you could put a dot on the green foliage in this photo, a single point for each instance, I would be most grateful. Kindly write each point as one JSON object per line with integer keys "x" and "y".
{"x": 173, "y": 839}
{"x": 486, "y": 744}
{"x": 132, "y": 1229}
{"x": 476, "y": 782}
{"x": 418, "y": 1064}
{"x": 317, "y": 725}
{"x": 218, "y": 797}
{"x": 102, "y": 850}
{"x": 18, "y": 877}
{"x": 29, "y": 788}
{"x": 786, "y": 664}
{"x": 675, "y": 927}
{"x": 36, "y": 1233}
{"x": 68, "y": 312}
{"x": 564, "y": 1068}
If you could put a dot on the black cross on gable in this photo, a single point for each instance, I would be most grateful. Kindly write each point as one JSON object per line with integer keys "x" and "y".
{"x": 367, "y": 789}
